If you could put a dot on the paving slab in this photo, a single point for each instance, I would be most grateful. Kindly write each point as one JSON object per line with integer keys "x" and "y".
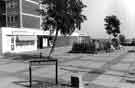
{"x": 126, "y": 85}
{"x": 46, "y": 71}
{"x": 115, "y": 73}
{"x": 130, "y": 55}
{"x": 88, "y": 64}
{"x": 13, "y": 67}
{"x": 66, "y": 57}
{"x": 108, "y": 54}
{"x": 75, "y": 69}
{"x": 98, "y": 58}
{"x": 128, "y": 60}
{"x": 91, "y": 85}
{"x": 8, "y": 83}
{"x": 107, "y": 80}
{"x": 121, "y": 66}
{"x": 66, "y": 76}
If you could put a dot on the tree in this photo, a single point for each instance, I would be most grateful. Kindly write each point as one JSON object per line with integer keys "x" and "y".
{"x": 122, "y": 38}
{"x": 112, "y": 25}
{"x": 62, "y": 16}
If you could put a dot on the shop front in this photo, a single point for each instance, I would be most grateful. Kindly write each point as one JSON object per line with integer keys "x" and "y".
{"x": 17, "y": 40}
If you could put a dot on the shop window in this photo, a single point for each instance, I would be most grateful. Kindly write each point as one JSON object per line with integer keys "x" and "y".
{"x": 24, "y": 40}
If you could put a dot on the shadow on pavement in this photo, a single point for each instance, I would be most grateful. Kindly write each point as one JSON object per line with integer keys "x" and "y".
{"x": 42, "y": 84}
{"x": 23, "y": 57}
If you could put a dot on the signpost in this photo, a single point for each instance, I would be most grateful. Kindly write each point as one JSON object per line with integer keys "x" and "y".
{"x": 40, "y": 62}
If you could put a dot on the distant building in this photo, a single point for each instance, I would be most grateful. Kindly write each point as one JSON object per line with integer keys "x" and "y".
{"x": 20, "y": 26}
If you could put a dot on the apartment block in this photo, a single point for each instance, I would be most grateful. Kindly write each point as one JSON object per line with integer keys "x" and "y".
{"x": 23, "y": 14}
{"x": 20, "y": 26}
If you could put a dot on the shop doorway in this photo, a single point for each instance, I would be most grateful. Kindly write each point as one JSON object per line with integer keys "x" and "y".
{"x": 40, "y": 42}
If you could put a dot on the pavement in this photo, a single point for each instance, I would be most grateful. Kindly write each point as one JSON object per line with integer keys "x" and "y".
{"x": 102, "y": 70}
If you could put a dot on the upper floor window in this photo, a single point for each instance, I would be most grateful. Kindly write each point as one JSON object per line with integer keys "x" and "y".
{"x": 2, "y": 6}
{"x": 12, "y": 4}
{"x": 12, "y": 19}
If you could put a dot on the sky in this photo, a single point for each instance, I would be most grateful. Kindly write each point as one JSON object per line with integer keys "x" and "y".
{"x": 97, "y": 10}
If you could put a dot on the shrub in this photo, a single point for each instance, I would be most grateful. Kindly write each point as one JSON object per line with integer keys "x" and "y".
{"x": 107, "y": 46}
{"x": 122, "y": 38}
{"x": 115, "y": 43}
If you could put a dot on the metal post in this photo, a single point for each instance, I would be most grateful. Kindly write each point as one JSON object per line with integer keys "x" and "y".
{"x": 56, "y": 71}
{"x": 30, "y": 75}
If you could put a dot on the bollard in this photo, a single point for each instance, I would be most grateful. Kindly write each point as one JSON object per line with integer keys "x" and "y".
{"x": 76, "y": 81}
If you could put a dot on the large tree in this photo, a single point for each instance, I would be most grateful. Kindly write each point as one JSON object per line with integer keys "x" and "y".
{"x": 62, "y": 16}
{"x": 112, "y": 25}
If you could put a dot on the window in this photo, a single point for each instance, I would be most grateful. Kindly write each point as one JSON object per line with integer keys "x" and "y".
{"x": 24, "y": 40}
{"x": 16, "y": 18}
{"x": 2, "y": 6}
{"x": 12, "y": 19}
{"x": 9, "y": 5}
{"x": 12, "y": 4}
{"x": 9, "y": 19}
